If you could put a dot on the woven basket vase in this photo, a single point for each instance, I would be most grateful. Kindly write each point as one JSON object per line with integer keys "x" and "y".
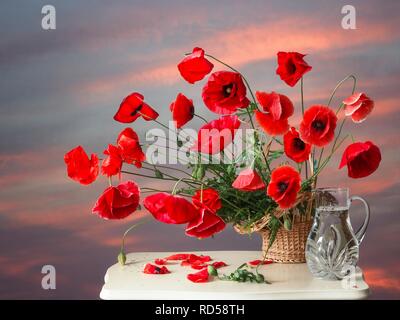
{"x": 289, "y": 246}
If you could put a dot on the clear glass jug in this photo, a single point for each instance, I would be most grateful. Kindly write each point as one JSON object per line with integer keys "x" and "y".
{"x": 332, "y": 248}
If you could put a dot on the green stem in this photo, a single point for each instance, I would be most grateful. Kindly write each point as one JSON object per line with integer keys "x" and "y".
{"x": 200, "y": 117}
{"x": 176, "y": 184}
{"x": 126, "y": 233}
{"x": 351, "y": 76}
{"x": 302, "y": 112}
{"x": 340, "y": 83}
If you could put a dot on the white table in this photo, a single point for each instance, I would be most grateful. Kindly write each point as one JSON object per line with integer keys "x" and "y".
{"x": 288, "y": 281}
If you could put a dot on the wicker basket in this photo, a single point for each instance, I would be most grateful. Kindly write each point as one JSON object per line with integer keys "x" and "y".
{"x": 289, "y": 246}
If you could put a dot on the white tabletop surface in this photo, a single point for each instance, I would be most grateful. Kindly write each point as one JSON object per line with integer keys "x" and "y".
{"x": 288, "y": 281}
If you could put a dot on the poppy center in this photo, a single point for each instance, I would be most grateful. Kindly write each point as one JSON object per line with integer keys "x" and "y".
{"x": 282, "y": 186}
{"x": 291, "y": 67}
{"x": 227, "y": 90}
{"x": 318, "y": 125}
{"x": 137, "y": 109}
{"x": 299, "y": 144}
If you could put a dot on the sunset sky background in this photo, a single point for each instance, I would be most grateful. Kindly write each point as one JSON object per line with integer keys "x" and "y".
{"x": 61, "y": 88}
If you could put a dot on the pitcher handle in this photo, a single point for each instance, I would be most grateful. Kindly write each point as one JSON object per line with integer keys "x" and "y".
{"x": 361, "y": 232}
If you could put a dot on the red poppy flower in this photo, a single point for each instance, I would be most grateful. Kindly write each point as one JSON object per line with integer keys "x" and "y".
{"x": 214, "y": 136}
{"x": 295, "y": 148}
{"x": 255, "y": 263}
{"x": 201, "y": 276}
{"x": 112, "y": 164}
{"x": 218, "y": 264}
{"x": 248, "y": 180}
{"x": 284, "y": 186}
{"x": 170, "y": 208}
{"x": 277, "y": 109}
{"x": 361, "y": 159}
{"x": 208, "y": 198}
{"x": 225, "y": 92}
{"x": 291, "y": 67}
{"x": 195, "y": 67}
{"x": 358, "y": 106}
{"x": 118, "y": 202}
{"x": 132, "y": 107}
{"x": 160, "y": 262}
{"x": 130, "y": 149}
{"x": 318, "y": 125}
{"x": 152, "y": 269}
{"x": 206, "y": 225}
{"x": 182, "y": 110}
{"x": 79, "y": 167}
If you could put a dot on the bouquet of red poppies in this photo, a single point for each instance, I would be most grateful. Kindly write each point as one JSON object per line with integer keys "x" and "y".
{"x": 222, "y": 181}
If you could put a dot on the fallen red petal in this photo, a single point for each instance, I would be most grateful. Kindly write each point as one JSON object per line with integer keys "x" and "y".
{"x": 152, "y": 269}
{"x": 198, "y": 277}
{"x": 219, "y": 264}
{"x": 160, "y": 262}
{"x": 257, "y": 262}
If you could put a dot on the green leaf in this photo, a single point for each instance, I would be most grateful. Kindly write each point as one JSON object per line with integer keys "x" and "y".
{"x": 158, "y": 174}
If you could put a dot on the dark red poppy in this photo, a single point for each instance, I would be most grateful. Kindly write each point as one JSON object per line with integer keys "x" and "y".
{"x": 160, "y": 262}
{"x": 318, "y": 125}
{"x": 195, "y": 67}
{"x": 201, "y": 276}
{"x": 358, "y": 106}
{"x": 291, "y": 67}
{"x": 112, "y": 164}
{"x": 152, "y": 269}
{"x": 248, "y": 180}
{"x": 206, "y": 225}
{"x": 118, "y": 202}
{"x": 182, "y": 110}
{"x": 255, "y": 263}
{"x": 284, "y": 186}
{"x": 214, "y": 136}
{"x": 132, "y": 107}
{"x": 225, "y": 92}
{"x": 169, "y": 208}
{"x": 361, "y": 159}
{"x": 208, "y": 198}
{"x": 130, "y": 149}
{"x": 277, "y": 108}
{"x": 295, "y": 148}
{"x": 79, "y": 167}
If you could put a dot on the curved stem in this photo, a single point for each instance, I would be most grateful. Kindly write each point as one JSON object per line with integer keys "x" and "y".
{"x": 176, "y": 184}
{"x": 200, "y": 117}
{"x": 351, "y": 76}
{"x": 302, "y": 112}
{"x": 127, "y": 231}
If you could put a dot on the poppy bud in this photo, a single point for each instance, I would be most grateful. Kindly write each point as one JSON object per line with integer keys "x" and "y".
{"x": 212, "y": 271}
{"x": 122, "y": 258}
{"x": 287, "y": 224}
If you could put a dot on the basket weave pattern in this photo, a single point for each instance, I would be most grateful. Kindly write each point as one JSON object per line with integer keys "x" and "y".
{"x": 289, "y": 246}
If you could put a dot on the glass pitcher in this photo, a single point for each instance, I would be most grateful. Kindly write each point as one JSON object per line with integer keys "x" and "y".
{"x": 332, "y": 248}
